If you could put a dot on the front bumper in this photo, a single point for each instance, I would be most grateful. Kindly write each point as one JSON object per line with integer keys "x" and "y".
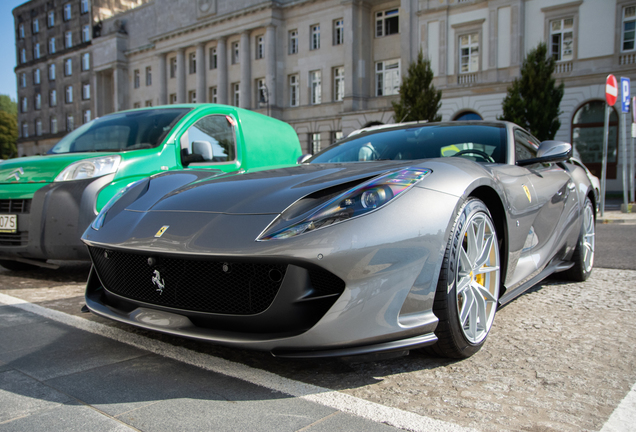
{"x": 53, "y": 221}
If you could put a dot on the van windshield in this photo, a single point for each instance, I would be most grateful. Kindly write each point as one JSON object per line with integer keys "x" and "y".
{"x": 121, "y": 132}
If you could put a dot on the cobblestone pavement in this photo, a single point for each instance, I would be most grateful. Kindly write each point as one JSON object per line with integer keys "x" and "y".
{"x": 559, "y": 358}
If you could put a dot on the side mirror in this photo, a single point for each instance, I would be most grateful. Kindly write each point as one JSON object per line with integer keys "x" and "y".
{"x": 550, "y": 151}
{"x": 203, "y": 148}
{"x": 304, "y": 158}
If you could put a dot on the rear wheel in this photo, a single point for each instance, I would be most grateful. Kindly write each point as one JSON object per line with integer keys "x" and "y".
{"x": 584, "y": 253}
{"x": 468, "y": 288}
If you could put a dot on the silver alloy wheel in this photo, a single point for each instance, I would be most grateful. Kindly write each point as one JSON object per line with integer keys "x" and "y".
{"x": 477, "y": 278}
{"x": 588, "y": 237}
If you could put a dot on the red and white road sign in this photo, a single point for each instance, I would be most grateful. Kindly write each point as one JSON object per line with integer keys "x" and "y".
{"x": 611, "y": 90}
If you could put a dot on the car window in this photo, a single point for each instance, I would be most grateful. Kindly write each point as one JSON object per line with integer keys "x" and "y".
{"x": 525, "y": 145}
{"x": 480, "y": 143}
{"x": 210, "y": 139}
{"x": 133, "y": 130}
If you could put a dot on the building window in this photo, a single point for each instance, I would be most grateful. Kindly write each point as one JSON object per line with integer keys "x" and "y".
{"x": 236, "y": 93}
{"x": 87, "y": 116}
{"x": 562, "y": 39}
{"x": 314, "y": 143}
{"x": 192, "y": 63}
{"x": 36, "y": 51}
{"x": 86, "y": 91}
{"x": 261, "y": 92}
{"x": 293, "y": 42}
{"x": 148, "y": 75}
{"x": 36, "y": 76}
{"x": 173, "y": 67}
{"x": 192, "y": 96}
{"x": 387, "y": 78}
{"x": 21, "y": 31}
{"x": 587, "y": 137}
{"x": 136, "y": 78}
{"x": 336, "y": 136}
{"x": 235, "y": 52}
{"x": 148, "y": 103}
{"x": 68, "y": 39}
{"x": 52, "y": 72}
{"x": 137, "y": 105}
{"x": 53, "y": 125}
{"x": 629, "y": 27}
{"x": 38, "y": 127}
{"x": 51, "y": 19}
{"x": 84, "y": 6}
{"x": 67, "y": 12}
{"x": 52, "y": 45}
{"x": 69, "y": 94}
{"x": 314, "y": 42}
{"x": 260, "y": 48}
{"x": 294, "y": 94}
{"x": 469, "y": 53}
{"x": 23, "y": 55}
{"x": 68, "y": 67}
{"x": 467, "y": 115}
{"x": 316, "y": 87}
{"x": 86, "y": 61}
{"x": 173, "y": 98}
{"x": 25, "y": 130}
{"x": 70, "y": 122}
{"x": 338, "y": 84}
{"x": 387, "y": 23}
{"x": 23, "y": 79}
{"x": 36, "y": 26}
{"x": 24, "y": 105}
{"x": 86, "y": 33}
{"x": 213, "y": 96}
{"x": 38, "y": 101}
{"x": 338, "y": 31}
{"x": 53, "y": 98}
{"x": 213, "y": 59}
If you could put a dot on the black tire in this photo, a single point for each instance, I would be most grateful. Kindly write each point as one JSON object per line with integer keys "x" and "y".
{"x": 582, "y": 268}
{"x": 451, "y": 333}
{"x": 17, "y": 265}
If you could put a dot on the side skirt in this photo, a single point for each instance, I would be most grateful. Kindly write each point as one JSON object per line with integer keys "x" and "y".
{"x": 552, "y": 268}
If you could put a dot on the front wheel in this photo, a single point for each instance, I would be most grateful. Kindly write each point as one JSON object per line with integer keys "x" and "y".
{"x": 584, "y": 253}
{"x": 468, "y": 287}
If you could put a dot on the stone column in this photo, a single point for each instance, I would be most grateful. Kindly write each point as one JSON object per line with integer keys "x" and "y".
{"x": 270, "y": 55}
{"x": 221, "y": 57}
{"x": 120, "y": 80}
{"x": 161, "y": 80}
{"x": 246, "y": 71}
{"x": 201, "y": 69}
{"x": 359, "y": 67}
{"x": 181, "y": 76}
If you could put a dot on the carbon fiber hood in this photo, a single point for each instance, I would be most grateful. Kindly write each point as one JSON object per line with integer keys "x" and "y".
{"x": 262, "y": 192}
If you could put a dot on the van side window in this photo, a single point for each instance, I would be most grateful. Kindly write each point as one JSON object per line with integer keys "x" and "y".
{"x": 211, "y": 139}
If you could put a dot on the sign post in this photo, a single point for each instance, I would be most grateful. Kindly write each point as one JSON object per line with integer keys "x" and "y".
{"x": 631, "y": 153}
{"x": 611, "y": 92}
{"x": 625, "y": 100}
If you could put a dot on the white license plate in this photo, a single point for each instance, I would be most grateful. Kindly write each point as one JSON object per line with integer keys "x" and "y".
{"x": 8, "y": 223}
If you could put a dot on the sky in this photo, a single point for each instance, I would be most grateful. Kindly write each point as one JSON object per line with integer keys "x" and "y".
{"x": 8, "y": 84}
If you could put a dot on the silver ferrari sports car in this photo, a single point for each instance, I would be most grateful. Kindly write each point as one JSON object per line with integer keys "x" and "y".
{"x": 399, "y": 238}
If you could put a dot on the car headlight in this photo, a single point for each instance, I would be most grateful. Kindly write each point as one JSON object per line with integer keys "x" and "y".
{"x": 99, "y": 220}
{"x": 361, "y": 200}
{"x": 89, "y": 168}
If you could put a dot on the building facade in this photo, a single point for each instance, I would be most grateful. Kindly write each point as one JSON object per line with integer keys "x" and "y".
{"x": 328, "y": 67}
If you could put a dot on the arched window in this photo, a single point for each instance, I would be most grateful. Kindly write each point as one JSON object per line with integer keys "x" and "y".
{"x": 467, "y": 115}
{"x": 587, "y": 137}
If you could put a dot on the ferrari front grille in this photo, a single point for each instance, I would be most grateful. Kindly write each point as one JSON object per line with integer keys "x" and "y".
{"x": 15, "y": 206}
{"x": 236, "y": 288}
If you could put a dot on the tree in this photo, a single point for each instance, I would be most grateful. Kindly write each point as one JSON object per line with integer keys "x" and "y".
{"x": 419, "y": 100}
{"x": 8, "y": 105}
{"x": 533, "y": 99}
{"x": 8, "y": 135}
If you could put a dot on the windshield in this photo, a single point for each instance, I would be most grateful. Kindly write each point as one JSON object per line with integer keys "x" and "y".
{"x": 480, "y": 143}
{"x": 121, "y": 132}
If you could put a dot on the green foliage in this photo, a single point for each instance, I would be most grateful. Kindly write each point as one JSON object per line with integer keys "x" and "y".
{"x": 8, "y": 127}
{"x": 533, "y": 99}
{"x": 419, "y": 100}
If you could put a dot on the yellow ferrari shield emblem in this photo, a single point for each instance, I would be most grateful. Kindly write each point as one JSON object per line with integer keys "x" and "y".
{"x": 525, "y": 188}
{"x": 162, "y": 230}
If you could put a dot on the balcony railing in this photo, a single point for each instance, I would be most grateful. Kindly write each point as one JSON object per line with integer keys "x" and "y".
{"x": 467, "y": 78}
{"x": 562, "y": 68}
{"x": 627, "y": 59}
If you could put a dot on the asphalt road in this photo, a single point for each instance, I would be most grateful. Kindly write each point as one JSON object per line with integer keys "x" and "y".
{"x": 559, "y": 358}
